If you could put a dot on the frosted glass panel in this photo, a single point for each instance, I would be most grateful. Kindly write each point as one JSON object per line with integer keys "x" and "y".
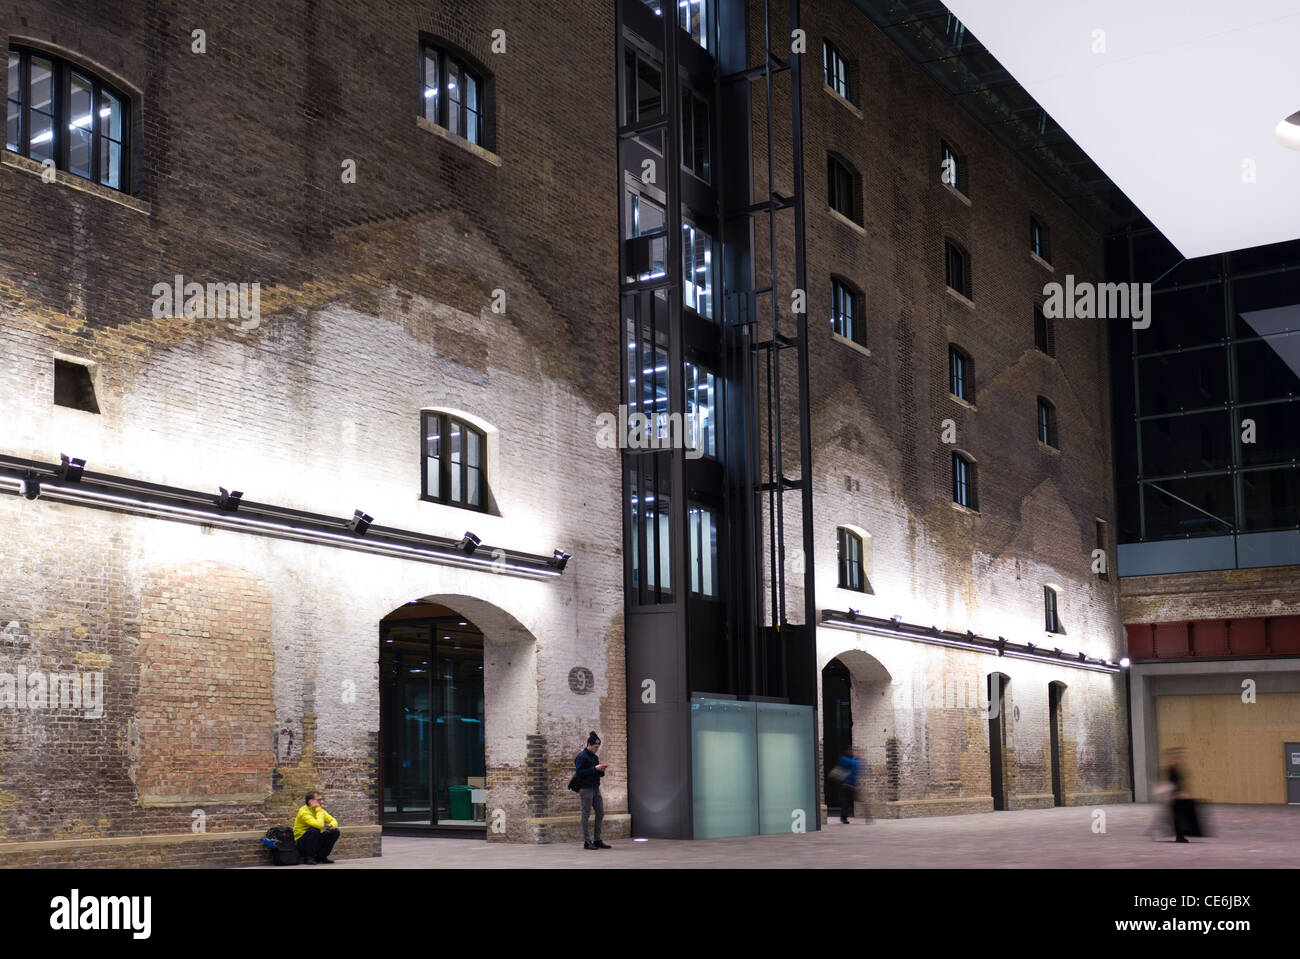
{"x": 785, "y": 768}
{"x": 724, "y": 768}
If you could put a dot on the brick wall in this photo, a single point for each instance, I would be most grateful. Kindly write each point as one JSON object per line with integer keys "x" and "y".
{"x": 879, "y": 460}
{"x": 377, "y": 301}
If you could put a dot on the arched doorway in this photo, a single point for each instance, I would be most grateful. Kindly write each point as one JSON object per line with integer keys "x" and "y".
{"x": 999, "y": 685}
{"x": 837, "y": 726}
{"x": 1055, "y": 693}
{"x": 433, "y": 760}
{"x": 857, "y": 715}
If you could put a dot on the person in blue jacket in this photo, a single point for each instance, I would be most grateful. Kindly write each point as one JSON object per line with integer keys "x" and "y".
{"x": 847, "y": 773}
{"x": 588, "y": 771}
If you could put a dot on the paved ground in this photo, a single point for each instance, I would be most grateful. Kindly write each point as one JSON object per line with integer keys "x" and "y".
{"x": 1245, "y": 837}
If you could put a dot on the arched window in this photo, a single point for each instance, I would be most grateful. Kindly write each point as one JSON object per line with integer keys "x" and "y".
{"x": 850, "y": 553}
{"x": 842, "y": 187}
{"x": 836, "y": 70}
{"x": 58, "y": 111}
{"x": 964, "y": 492}
{"x": 454, "y": 462}
{"x": 847, "y": 316}
{"x": 961, "y": 374}
{"x": 1047, "y": 423}
{"x": 957, "y": 267}
{"x": 1051, "y": 611}
{"x": 952, "y": 168}
{"x": 453, "y": 93}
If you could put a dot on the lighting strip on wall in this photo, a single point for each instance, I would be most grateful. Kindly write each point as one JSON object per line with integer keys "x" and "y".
{"x": 854, "y": 621}
{"x": 101, "y": 491}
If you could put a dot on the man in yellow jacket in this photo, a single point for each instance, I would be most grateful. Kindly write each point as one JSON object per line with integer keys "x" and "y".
{"x": 315, "y": 831}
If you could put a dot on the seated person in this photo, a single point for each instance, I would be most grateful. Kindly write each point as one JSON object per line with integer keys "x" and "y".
{"x": 315, "y": 831}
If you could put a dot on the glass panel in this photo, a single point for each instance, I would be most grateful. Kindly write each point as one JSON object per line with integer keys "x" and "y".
{"x": 663, "y": 546}
{"x": 701, "y": 412}
{"x": 1180, "y": 507}
{"x": 13, "y": 115}
{"x": 454, "y": 460}
{"x": 110, "y": 163}
{"x": 1182, "y": 381}
{"x": 703, "y": 525}
{"x": 1271, "y": 498}
{"x": 1176, "y": 444}
{"x": 13, "y": 125}
{"x": 42, "y": 109}
{"x": 81, "y": 120}
{"x": 786, "y": 770}
{"x": 473, "y": 116}
{"x": 110, "y": 116}
{"x": 649, "y": 89}
{"x": 459, "y": 753}
{"x": 453, "y": 97}
{"x": 404, "y": 671}
{"x": 1268, "y": 369}
{"x": 645, "y": 217}
{"x": 1275, "y": 437}
{"x": 1266, "y": 304}
{"x": 1188, "y": 317}
{"x": 473, "y": 469}
{"x": 433, "y": 454}
{"x": 724, "y": 764}
{"x": 697, "y": 270}
{"x": 694, "y": 20}
{"x": 431, "y": 86}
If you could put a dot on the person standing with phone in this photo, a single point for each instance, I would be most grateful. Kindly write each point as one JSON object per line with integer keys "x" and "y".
{"x": 588, "y": 770}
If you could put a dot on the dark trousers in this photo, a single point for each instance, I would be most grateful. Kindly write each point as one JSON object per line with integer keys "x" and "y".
{"x": 591, "y": 800}
{"x": 846, "y": 801}
{"x": 315, "y": 844}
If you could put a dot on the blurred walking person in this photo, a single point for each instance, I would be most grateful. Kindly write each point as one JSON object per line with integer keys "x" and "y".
{"x": 846, "y": 774}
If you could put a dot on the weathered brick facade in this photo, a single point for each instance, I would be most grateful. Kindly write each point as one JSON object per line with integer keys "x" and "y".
{"x": 240, "y": 671}
{"x": 881, "y": 464}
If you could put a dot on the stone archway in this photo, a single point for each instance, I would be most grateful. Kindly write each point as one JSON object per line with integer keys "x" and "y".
{"x": 466, "y": 634}
{"x": 871, "y": 731}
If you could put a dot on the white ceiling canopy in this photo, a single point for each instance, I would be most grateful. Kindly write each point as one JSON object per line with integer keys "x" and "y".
{"x": 1178, "y": 101}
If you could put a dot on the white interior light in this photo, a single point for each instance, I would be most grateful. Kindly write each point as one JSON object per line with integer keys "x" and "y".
{"x": 1288, "y": 131}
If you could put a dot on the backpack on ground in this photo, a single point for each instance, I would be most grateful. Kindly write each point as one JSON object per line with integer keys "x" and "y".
{"x": 279, "y": 843}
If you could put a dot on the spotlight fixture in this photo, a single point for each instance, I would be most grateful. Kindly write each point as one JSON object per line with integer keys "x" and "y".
{"x": 360, "y": 522}
{"x": 1058, "y": 652}
{"x": 895, "y": 619}
{"x": 559, "y": 560}
{"x": 228, "y": 500}
{"x": 935, "y": 630}
{"x": 1002, "y": 645}
{"x": 1125, "y": 662}
{"x": 1082, "y": 657}
{"x": 468, "y": 543}
{"x": 852, "y": 616}
{"x": 31, "y": 485}
{"x": 970, "y": 634}
{"x": 1030, "y": 646}
{"x": 70, "y": 468}
{"x": 1288, "y": 131}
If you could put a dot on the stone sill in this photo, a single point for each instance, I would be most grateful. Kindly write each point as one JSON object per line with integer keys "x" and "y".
{"x": 1041, "y": 262}
{"x": 964, "y": 509}
{"x": 1048, "y": 447}
{"x": 63, "y": 177}
{"x": 471, "y": 148}
{"x": 847, "y": 104}
{"x": 955, "y": 192}
{"x": 961, "y": 402}
{"x": 846, "y": 221}
{"x": 960, "y": 298}
{"x": 852, "y": 343}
